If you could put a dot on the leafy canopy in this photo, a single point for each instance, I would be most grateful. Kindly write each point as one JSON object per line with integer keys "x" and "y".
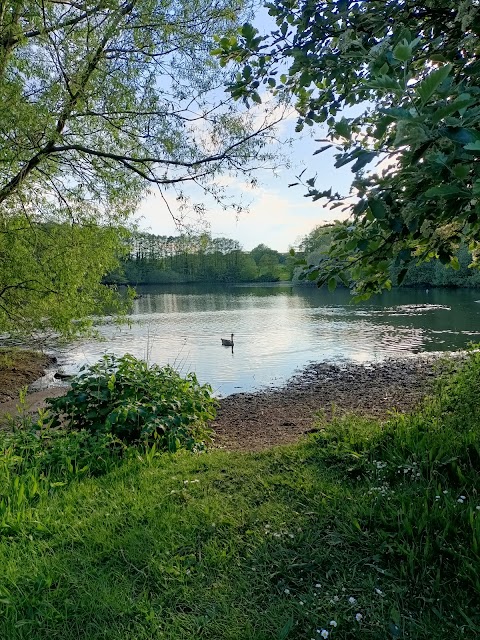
{"x": 411, "y": 72}
{"x": 98, "y": 100}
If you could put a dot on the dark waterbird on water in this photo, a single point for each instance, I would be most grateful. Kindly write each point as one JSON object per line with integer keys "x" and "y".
{"x": 228, "y": 343}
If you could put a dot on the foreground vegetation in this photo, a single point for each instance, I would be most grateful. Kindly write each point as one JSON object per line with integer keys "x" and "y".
{"x": 365, "y": 531}
{"x": 317, "y": 244}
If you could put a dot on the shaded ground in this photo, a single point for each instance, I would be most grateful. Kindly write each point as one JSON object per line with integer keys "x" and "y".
{"x": 256, "y": 421}
{"x": 19, "y": 368}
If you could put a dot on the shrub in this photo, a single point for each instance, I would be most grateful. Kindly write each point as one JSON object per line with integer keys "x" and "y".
{"x": 134, "y": 402}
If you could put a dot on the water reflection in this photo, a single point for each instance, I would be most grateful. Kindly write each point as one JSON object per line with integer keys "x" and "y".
{"x": 279, "y": 329}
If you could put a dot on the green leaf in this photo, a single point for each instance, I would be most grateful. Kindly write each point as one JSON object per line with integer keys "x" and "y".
{"x": 384, "y": 82}
{"x": 401, "y": 275}
{"x": 285, "y": 630}
{"x": 454, "y": 263}
{"x": 322, "y": 149}
{"x": 472, "y": 146}
{"x": 332, "y": 284}
{"x": 377, "y": 207}
{"x": 444, "y": 191}
{"x": 342, "y": 128}
{"x": 360, "y": 207}
{"x": 363, "y": 158}
{"x": 403, "y": 51}
{"x": 451, "y": 108}
{"x": 461, "y": 170}
{"x": 461, "y": 135}
{"x": 430, "y": 84}
{"x": 248, "y": 32}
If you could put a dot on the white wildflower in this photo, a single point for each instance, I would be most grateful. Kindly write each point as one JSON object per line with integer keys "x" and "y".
{"x": 358, "y": 617}
{"x": 333, "y": 623}
{"x": 352, "y": 600}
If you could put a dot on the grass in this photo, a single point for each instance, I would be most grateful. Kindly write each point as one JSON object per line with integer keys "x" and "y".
{"x": 372, "y": 527}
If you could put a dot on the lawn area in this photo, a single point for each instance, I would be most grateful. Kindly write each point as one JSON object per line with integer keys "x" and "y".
{"x": 367, "y": 530}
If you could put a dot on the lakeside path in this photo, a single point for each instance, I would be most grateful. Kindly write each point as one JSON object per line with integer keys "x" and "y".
{"x": 260, "y": 420}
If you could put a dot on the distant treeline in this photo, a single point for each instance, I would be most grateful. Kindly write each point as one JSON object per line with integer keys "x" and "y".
{"x": 432, "y": 273}
{"x": 154, "y": 259}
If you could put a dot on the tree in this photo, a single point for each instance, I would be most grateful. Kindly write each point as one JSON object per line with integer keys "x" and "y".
{"x": 50, "y": 275}
{"x": 100, "y": 98}
{"x": 412, "y": 70}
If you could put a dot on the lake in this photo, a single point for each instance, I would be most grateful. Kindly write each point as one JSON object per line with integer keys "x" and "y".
{"x": 278, "y": 329}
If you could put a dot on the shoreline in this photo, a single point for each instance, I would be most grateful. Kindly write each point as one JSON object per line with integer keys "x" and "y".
{"x": 259, "y": 420}
{"x": 21, "y": 368}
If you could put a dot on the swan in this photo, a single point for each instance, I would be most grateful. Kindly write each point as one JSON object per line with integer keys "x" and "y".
{"x": 228, "y": 343}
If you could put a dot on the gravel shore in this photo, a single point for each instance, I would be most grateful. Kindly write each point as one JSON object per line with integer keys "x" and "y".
{"x": 256, "y": 421}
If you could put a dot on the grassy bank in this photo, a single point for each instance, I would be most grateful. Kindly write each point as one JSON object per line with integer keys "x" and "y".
{"x": 367, "y": 531}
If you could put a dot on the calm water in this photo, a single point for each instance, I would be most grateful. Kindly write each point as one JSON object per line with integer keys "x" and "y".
{"x": 279, "y": 329}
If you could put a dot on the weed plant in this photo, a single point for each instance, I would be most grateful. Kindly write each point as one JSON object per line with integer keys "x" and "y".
{"x": 368, "y": 530}
{"x": 132, "y": 401}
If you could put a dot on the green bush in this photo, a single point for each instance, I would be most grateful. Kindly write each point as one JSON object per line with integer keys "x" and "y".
{"x": 128, "y": 399}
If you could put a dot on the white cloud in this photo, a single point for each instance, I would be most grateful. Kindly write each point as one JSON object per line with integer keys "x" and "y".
{"x": 277, "y": 215}
{"x": 274, "y": 218}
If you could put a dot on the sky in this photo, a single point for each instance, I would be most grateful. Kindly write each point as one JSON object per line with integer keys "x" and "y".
{"x": 276, "y": 215}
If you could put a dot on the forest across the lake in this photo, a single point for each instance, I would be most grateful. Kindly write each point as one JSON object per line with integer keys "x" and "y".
{"x": 158, "y": 259}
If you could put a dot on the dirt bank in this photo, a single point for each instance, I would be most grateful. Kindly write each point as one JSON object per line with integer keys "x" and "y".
{"x": 19, "y": 368}
{"x": 256, "y": 421}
